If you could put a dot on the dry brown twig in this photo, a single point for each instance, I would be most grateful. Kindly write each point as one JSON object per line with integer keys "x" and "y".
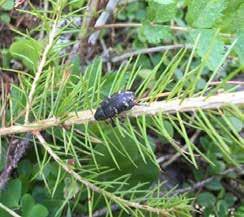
{"x": 167, "y": 107}
{"x": 149, "y": 51}
{"x": 16, "y": 150}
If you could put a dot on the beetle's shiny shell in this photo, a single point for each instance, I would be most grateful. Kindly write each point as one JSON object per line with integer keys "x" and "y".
{"x": 115, "y": 104}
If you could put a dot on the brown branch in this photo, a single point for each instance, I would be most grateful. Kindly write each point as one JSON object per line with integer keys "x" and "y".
{"x": 149, "y": 50}
{"x": 175, "y": 28}
{"x": 154, "y": 108}
{"x": 16, "y": 150}
{"x": 202, "y": 183}
{"x": 178, "y": 154}
{"x": 102, "y": 19}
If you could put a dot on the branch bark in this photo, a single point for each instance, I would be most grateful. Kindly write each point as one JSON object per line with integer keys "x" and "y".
{"x": 149, "y": 50}
{"x": 154, "y": 108}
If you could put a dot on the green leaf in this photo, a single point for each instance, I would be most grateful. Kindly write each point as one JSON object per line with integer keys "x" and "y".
{"x": 209, "y": 46}
{"x": 76, "y": 4}
{"x": 10, "y": 196}
{"x": 3, "y": 155}
{"x": 218, "y": 168}
{"x": 222, "y": 208}
{"x": 8, "y": 5}
{"x": 215, "y": 185}
{"x": 4, "y": 17}
{"x": 230, "y": 199}
{"x": 27, "y": 204}
{"x": 239, "y": 47}
{"x": 240, "y": 211}
{"x": 237, "y": 123}
{"x": 154, "y": 34}
{"x": 38, "y": 211}
{"x": 233, "y": 21}
{"x": 28, "y": 51}
{"x": 204, "y": 13}
{"x": 161, "y": 11}
{"x": 206, "y": 199}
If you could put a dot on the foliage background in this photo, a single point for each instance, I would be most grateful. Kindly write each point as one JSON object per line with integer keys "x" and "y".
{"x": 77, "y": 170}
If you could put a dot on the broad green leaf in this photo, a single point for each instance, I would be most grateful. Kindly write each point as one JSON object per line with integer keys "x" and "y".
{"x": 233, "y": 19}
{"x": 204, "y": 13}
{"x": 240, "y": 211}
{"x": 222, "y": 208}
{"x": 10, "y": 196}
{"x": 239, "y": 47}
{"x": 215, "y": 185}
{"x": 5, "y": 18}
{"x": 28, "y": 51}
{"x": 237, "y": 123}
{"x": 76, "y": 4}
{"x": 230, "y": 199}
{"x": 27, "y": 204}
{"x": 161, "y": 11}
{"x": 154, "y": 34}
{"x": 38, "y": 211}
{"x": 209, "y": 46}
{"x": 206, "y": 199}
{"x": 7, "y": 5}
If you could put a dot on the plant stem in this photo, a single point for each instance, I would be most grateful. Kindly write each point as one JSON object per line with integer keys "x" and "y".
{"x": 40, "y": 69}
{"x": 149, "y": 50}
{"x": 92, "y": 186}
{"x": 9, "y": 211}
{"x": 154, "y": 108}
{"x": 176, "y": 28}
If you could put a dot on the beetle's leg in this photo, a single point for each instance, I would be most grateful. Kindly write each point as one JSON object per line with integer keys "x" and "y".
{"x": 122, "y": 118}
{"x": 112, "y": 122}
{"x": 141, "y": 103}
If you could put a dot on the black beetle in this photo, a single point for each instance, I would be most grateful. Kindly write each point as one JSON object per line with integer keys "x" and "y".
{"x": 115, "y": 104}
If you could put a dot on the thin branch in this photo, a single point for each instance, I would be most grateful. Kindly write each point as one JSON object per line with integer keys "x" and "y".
{"x": 176, "y": 28}
{"x": 9, "y": 211}
{"x": 92, "y": 186}
{"x": 16, "y": 150}
{"x": 102, "y": 20}
{"x": 154, "y": 108}
{"x": 200, "y": 184}
{"x": 40, "y": 69}
{"x": 178, "y": 154}
{"x": 149, "y": 50}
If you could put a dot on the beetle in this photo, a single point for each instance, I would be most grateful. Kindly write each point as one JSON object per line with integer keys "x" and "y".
{"x": 114, "y": 105}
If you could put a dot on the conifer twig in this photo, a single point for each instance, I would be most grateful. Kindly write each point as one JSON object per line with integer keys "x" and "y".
{"x": 167, "y": 107}
{"x": 40, "y": 69}
{"x": 93, "y": 187}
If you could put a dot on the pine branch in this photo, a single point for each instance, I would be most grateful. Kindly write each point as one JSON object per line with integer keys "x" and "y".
{"x": 95, "y": 188}
{"x": 167, "y": 107}
{"x": 40, "y": 68}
